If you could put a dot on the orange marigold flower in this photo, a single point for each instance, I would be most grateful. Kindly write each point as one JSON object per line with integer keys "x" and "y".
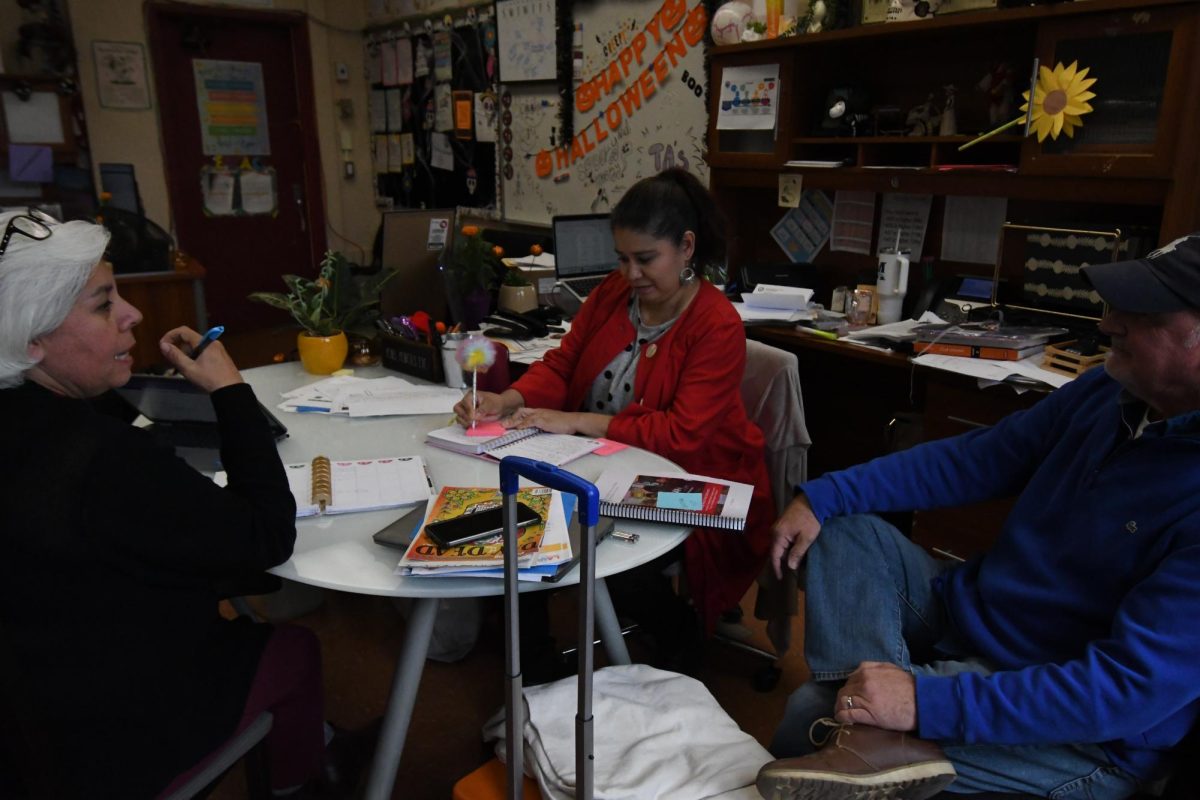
{"x": 323, "y": 283}
{"x": 498, "y": 251}
{"x": 535, "y": 250}
{"x": 470, "y": 230}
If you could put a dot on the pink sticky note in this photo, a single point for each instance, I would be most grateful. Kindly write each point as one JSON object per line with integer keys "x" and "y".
{"x": 608, "y": 448}
{"x": 488, "y": 429}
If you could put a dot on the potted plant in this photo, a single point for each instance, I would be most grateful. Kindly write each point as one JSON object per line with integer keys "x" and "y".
{"x": 473, "y": 266}
{"x": 328, "y": 306}
{"x": 516, "y": 292}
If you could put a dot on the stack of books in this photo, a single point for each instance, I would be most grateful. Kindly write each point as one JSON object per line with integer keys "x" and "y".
{"x": 996, "y": 342}
{"x": 542, "y": 547}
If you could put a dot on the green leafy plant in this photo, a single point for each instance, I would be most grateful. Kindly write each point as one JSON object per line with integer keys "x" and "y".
{"x": 335, "y": 301}
{"x": 475, "y": 261}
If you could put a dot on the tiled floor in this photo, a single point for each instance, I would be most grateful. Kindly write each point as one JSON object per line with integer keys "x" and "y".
{"x": 361, "y": 637}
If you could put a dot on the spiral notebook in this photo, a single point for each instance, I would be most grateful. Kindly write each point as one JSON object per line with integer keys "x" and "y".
{"x": 675, "y": 497}
{"x": 553, "y": 448}
{"x": 325, "y": 486}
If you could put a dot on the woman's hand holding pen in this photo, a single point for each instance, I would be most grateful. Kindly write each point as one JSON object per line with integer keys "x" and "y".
{"x": 211, "y": 370}
{"x": 489, "y": 407}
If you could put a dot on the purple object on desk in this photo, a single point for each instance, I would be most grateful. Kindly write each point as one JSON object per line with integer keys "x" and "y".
{"x": 30, "y": 163}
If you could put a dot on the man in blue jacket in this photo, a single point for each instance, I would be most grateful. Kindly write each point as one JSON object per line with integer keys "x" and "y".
{"x": 1065, "y": 662}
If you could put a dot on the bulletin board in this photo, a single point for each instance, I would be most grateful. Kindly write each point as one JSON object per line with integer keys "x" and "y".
{"x": 639, "y": 107}
{"x": 431, "y": 109}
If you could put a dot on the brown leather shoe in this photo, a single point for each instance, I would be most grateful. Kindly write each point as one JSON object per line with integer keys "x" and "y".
{"x": 860, "y": 762}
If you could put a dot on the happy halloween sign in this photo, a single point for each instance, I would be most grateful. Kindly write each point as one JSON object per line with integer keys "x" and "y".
{"x": 629, "y": 80}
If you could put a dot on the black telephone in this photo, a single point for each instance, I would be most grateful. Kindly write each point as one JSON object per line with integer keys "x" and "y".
{"x": 512, "y": 325}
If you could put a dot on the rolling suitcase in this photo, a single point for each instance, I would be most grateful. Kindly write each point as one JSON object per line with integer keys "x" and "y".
{"x": 482, "y": 783}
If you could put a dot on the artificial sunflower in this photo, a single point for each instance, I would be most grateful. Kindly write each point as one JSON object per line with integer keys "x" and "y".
{"x": 1059, "y": 100}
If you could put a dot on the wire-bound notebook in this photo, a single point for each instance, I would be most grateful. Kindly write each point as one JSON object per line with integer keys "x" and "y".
{"x": 326, "y": 486}
{"x": 675, "y": 497}
{"x": 534, "y": 443}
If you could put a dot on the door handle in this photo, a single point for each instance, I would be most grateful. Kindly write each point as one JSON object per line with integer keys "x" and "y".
{"x": 298, "y": 195}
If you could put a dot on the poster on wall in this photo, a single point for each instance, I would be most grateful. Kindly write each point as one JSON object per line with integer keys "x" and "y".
{"x": 639, "y": 109}
{"x": 527, "y": 40}
{"x": 121, "y": 75}
{"x": 233, "y": 107}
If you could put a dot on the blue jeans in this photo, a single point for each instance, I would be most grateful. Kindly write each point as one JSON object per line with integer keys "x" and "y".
{"x": 868, "y": 597}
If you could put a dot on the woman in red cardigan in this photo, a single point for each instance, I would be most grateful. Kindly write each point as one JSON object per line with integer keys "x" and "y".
{"x": 655, "y": 359}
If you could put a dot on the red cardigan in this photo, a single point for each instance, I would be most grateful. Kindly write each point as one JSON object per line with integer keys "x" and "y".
{"x": 687, "y": 407}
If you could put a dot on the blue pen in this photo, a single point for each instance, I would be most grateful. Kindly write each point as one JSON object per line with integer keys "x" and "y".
{"x": 209, "y": 337}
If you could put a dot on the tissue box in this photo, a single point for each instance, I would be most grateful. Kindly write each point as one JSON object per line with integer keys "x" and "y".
{"x": 413, "y": 358}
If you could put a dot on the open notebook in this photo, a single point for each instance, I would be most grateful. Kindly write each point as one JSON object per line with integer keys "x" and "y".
{"x": 553, "y": 448}
{"x": 326, "y": 486}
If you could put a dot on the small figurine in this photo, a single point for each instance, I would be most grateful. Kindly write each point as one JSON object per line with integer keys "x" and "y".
{"x": 923, "y": 120}
{"x": 949, "y": 124}
{"x": 816, "y": 22}
{"x": 998, "y": 84}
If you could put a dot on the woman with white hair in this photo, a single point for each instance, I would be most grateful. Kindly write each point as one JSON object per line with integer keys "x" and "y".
{"x": 118, "y": 674}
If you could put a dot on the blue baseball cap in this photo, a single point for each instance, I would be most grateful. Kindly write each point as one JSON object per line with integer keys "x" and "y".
{"x": 1166, "y": 280}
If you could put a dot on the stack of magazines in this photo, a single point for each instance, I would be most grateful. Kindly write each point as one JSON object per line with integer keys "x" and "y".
{"x": 543, "y": 546}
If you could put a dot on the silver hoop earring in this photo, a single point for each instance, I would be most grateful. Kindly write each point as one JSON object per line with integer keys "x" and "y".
{"x": 687, "y": 275}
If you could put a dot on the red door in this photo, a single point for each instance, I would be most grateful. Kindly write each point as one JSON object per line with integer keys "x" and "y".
{"x": 241, "y": 254}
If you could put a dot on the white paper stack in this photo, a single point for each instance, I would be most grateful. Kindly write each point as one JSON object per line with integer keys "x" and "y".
{"x": 370, "y": 397}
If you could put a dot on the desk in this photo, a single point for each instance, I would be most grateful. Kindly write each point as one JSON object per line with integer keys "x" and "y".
{"x": 861, "y": 403}
{"x": 336, "y": 552}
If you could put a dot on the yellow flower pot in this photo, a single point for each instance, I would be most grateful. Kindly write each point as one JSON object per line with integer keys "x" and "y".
{"x": 517, "y": 298}
{"x": 322, "y": 355}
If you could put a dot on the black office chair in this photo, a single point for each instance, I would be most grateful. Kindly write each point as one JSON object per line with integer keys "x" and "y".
{"x": 246, "y": 745}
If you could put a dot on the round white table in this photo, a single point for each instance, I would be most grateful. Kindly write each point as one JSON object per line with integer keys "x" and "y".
{"x": 337, "y": 552}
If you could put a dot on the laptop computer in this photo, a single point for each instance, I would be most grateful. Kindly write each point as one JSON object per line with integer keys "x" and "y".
{"x": 182, "y": 416}
{"x": 584, "y": 252}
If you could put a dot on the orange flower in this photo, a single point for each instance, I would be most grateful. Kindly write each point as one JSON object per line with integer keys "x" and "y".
{"x": 535, "y": 250}
{"x": 498, "y": 251}
{"x": 470, "y": 230}
{"x": 323, "y": 283}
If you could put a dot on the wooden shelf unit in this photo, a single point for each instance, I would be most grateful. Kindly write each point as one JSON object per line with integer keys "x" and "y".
{"x": 1145, "y": 184}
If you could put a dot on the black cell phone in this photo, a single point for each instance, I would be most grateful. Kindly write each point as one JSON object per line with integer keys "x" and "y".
{"x": 449, "y": 533}
{"x": 401, "y": 532}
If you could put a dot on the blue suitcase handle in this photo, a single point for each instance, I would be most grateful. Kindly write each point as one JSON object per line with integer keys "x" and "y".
{"x": 549, "y": 475}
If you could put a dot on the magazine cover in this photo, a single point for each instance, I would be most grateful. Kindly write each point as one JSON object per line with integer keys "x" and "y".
{"x": 455, "y": 501}
{"x": 684, "y": 494}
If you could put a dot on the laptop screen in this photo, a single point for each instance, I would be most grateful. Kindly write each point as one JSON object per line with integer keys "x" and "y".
{"x": 583, "y": 245}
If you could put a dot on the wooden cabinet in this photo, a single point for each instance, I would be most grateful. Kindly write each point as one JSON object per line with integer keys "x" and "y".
{"x": 166, "y": 300}
{"x": 1133, "y": 165}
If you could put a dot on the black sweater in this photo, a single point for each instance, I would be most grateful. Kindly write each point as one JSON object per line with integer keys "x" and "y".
{"x": 118, "y": 672}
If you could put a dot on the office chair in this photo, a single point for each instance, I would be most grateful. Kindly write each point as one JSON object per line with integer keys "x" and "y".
{"x": 246, "y": 743}
{"x": 773, "y": 400}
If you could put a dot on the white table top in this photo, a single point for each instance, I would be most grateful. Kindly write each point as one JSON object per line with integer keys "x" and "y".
{"x": 337, "y": 552}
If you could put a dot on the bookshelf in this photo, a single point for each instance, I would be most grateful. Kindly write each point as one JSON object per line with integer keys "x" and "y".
{"x": 1129, "y": 167}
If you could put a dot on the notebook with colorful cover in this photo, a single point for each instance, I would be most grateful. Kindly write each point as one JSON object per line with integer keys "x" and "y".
{"x": 674, "y": 497}
{"x": 455, "y": 501}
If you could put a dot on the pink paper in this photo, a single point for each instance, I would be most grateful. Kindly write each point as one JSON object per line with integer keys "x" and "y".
{"x": 608, "y": 448}
{"x": 488, "y": 429}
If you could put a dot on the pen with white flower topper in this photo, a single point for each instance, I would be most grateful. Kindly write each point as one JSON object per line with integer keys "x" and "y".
{"x": 475, "y": 354}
